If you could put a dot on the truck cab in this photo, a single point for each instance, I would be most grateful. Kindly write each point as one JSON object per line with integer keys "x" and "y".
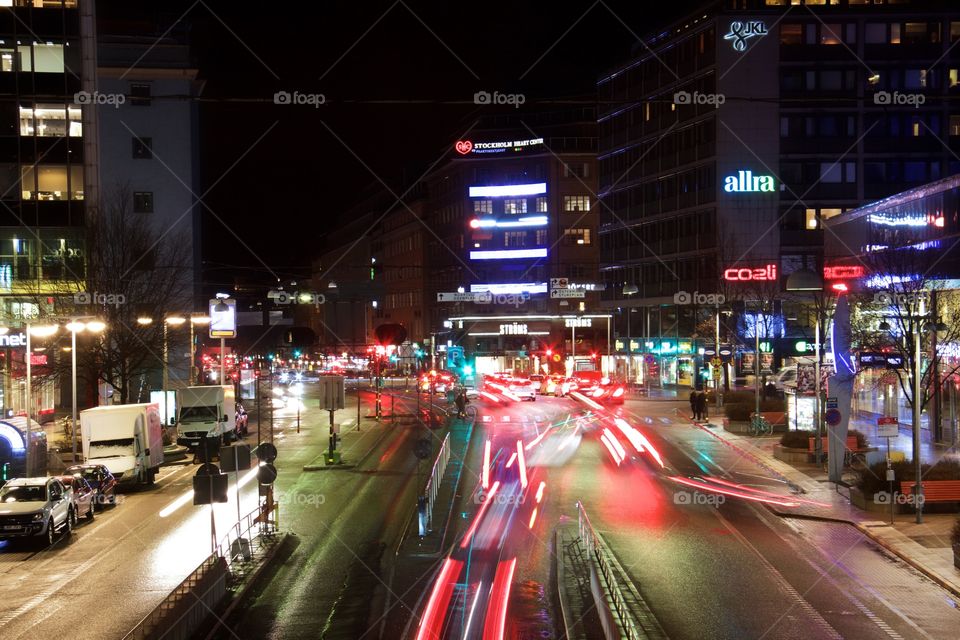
{"x": 206, "y": 412}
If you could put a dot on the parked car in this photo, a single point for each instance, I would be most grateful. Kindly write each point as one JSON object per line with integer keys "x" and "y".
{"x": 99, "y": 478}
{"x": 35, "y": 508}
{"x": 84, "y": 496}
{"x": 786, "y": 379}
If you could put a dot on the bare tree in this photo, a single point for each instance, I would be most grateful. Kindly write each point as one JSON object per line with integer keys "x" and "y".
{"x": 132, "y": 270}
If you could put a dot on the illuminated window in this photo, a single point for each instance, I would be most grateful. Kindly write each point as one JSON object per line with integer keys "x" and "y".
{"x": 954, "y": 31}
{"x": 830, "y": 33}
{"x": 52, "y": 182}
{"x": 541, "y": 205}
{"x": 50, "y": 121}
{"x": 41, "y": 57}
{"x": 515, "y": 205}
{"x": 576, "y": 203}
{"x": 826, "y": 214}
{"x": 895, "y": 33}
{"x": 811, "y": 219}
{"x": 515, "y": 239}
{"x": 955, "y": 125}
{"x": 540, "y": 237}
{"x": 791, "y": 34}
{"x": 576, "y": 236}
{"x": 483, "y": 206}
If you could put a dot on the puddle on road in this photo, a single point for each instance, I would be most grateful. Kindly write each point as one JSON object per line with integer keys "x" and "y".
{"x": 529, "y": 612}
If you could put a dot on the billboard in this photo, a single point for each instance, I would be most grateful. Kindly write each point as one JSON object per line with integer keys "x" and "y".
{"x": 223, "y": 318}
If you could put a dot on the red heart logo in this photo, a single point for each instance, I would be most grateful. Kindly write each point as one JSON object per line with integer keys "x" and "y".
{"x": 464, "y": 147}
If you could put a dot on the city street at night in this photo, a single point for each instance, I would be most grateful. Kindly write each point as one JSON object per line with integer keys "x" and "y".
{"x": 480, "y": 321}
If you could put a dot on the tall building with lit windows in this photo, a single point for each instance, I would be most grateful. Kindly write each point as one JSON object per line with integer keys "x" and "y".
{"x": 513, "y": 220}
{"x": 44, "y": 187}
{"x": 734, "y": 132}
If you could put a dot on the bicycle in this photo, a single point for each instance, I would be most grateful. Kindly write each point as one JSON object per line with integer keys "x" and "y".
{"x": 760, "y": 426}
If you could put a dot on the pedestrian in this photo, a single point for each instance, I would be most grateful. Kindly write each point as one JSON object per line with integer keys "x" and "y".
{"x": 702, "y": 406}
{"x": 693, "y": 404}
{"x": 461, "y": 400}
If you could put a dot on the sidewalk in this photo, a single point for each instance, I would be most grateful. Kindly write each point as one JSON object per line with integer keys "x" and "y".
{"x": 926, "y": 546}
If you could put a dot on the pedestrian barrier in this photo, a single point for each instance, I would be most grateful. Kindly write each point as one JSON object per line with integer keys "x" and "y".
{"x": 433, "y": 486}
{"x": 614, "y": 596}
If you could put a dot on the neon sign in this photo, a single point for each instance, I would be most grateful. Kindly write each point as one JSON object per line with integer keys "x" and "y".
{"x": 509, "y": 254}
{"x": 494, "y": 191}
{"x": 766, "y": 273}
{"x": 577, "y": 323}
{"x": 464, "y": 147}
{"x": 740, "y": 32}
{"x": 488, "y": 223}
{"x": 746, "y": 182}
{"x": 844, "y": 272}
{"x": 13, "y": 437}
{"x": 13, "y": 340}
{"x": 513, "y": 329}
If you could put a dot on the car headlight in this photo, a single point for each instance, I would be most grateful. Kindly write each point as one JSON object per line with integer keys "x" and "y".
{"x": 38, "y": 516}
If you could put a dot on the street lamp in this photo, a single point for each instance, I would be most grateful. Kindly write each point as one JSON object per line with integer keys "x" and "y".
{"x": 805, "y": 280}
{"x": 195, "y": 320}
{"x": 74, "y": 327}
{"x": 629, "y": 290}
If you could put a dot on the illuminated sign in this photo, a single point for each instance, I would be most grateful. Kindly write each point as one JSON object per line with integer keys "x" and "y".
{"x": 513, "y": 329}
{"x": 13, "y": 437}
{"x": 844, "y": 272}
{"x": 223, "y": 318}
{"x": 766, "y": 273}
{"x": 487, "y": 223}
{"x": 741, "y": 31}
{"x": 533, "y": 189}
{"x": 38, "y": 359}
{"x": 508, "y": 254}
{"x": 578, "y": 323}
{"x": 510, "y": 288}
{"x": 13, "y": 340}
{"x": 746, "y": 182}
{"x": 464, "y": 147}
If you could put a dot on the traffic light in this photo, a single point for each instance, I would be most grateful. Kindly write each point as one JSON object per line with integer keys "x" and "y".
{"x": 296, "y": 353}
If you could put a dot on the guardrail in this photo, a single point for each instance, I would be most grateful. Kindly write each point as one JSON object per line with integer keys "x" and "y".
{"x": 429, "y": 496}
{"x": 237, "y": 542}
{"x": 187, "y": 606}
{"x": 614, "y": 603}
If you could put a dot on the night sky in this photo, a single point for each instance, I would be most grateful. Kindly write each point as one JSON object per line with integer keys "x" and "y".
{"x": 396, "y": 98}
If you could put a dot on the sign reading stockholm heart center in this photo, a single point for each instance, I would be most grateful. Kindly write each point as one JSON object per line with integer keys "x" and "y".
{"x": 467, "y": 147}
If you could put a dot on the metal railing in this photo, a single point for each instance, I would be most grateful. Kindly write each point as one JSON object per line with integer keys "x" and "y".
{"x": 433, "y": 484}
{"x": 205, "y": 585}
{"x": 238, "y": 543}
{"x": 615, "y": 602}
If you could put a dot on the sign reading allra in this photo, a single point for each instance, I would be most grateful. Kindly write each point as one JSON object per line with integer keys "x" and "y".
{"x": 746, "y": 182}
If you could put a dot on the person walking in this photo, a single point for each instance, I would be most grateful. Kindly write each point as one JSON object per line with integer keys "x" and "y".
{"x": 702, "y": 406}
{"x": 693, "y": 404}
{"x": 461, "y": 400}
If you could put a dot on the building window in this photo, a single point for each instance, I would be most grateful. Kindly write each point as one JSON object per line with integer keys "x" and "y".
{"x": 811, "y": 218}
{"x": 955, "y": 125}
{"x": 50, "y": 121}
{"x": 143, "y": 201}
{"x": 515, "y": 205}
{"x": 791, "y": 34}
{"x": 541, "y": 237}
{"x": 831, "y": 172}
{"x": 542, "y": 205}
{"x": 826, "y": 214}
{"x": 52, "y": 182}
{"x": 576, "y": 203}
{"x": 515, "y": 239}
{"x": 830, "y": 33}
{"x": 579, "y": 169}
{"x": 40, "y": 58}
{"x": 576, "y": 236}
{"x": 140, "y": 94}
{"x": 483, "y": 206}
{"x": 875, "y": 33}
{"x": 142, "y": 148}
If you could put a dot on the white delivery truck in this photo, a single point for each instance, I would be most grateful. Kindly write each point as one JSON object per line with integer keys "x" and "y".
{"x": 126, "y": 438}
{"x": 206, "y": 412}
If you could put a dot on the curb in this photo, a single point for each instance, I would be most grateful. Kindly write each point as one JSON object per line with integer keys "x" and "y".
{"x": 916, "y": 564}
{"x": 328, "y": 467}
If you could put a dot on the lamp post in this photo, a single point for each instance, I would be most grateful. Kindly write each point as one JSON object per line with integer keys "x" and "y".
{"x": 629, "y": 290}
{"x": 169, "y": 321}
{"x": 41, "y": 331}
{"x": 195, "y": 320}
{"x": 805, "y": 280}
{"x": 74, "y": 327}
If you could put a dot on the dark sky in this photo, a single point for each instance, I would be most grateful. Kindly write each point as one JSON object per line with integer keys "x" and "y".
{"x": 398, "y": 79}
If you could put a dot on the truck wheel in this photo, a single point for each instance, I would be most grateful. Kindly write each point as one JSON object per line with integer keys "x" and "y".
{"x": 51, "y": 533}
{"x": 71, "y": 521}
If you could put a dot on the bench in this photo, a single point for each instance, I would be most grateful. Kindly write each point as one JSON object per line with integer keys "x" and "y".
{"x": 934, "y": 490}
{"x": 851, "y": 444}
